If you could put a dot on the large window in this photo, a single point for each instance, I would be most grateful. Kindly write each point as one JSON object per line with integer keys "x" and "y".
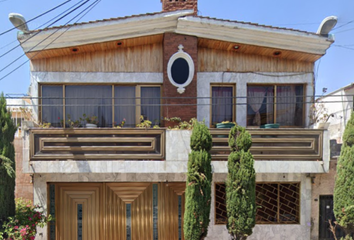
{"x": 281, "y": 104}
{"x": 223, "y": 104}
{"x": 111, "y": 104}
{"x": 277, "y": 203}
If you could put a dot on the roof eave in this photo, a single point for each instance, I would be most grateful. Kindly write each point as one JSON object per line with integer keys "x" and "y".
{"x": 103, "y": 31}
{"x": 253, "y": 35}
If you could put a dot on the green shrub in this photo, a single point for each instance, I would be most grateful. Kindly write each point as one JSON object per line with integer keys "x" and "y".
{"x": 240, "y": 185}
{"x": 23, "y": 225}
{"x": 7, "y": 163}
{"x": 198, "y": 187}
{"x": 343, "y": 205}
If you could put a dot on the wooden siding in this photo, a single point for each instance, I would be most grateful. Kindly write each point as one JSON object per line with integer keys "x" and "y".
{"x": 215, "y": 60}
{"x": 257, "y": 50}
{"x": 147, "y": 58}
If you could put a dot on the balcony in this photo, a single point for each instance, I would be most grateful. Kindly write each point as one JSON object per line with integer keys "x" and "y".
{"x": 150, "y": 144}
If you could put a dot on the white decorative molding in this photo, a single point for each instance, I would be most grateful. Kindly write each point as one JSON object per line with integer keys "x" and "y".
{"x": 188, "y": 58}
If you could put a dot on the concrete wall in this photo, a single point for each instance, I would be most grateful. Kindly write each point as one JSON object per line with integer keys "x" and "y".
{"x": 340, "y": 104}
{"x": 177, "y": 150}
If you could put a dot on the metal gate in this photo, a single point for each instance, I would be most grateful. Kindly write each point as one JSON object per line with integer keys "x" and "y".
{"x": 326, "y": 215}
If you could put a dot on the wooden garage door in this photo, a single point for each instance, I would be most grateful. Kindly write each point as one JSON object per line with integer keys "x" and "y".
{"x": 117, "y": 211}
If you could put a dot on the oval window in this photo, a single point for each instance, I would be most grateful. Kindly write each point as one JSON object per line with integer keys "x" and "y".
{"x": 180, "y": 71}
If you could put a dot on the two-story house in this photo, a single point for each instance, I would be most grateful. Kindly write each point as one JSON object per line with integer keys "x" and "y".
{"x": 128, "y": 183}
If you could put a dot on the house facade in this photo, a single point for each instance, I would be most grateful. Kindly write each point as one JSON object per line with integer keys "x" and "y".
{"x": 116, "y": 181}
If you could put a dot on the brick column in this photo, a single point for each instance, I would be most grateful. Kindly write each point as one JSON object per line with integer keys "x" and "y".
{"x": 24, "y": 187}
{"x": 170, "y": 45}
{"x": 174, "y": 5}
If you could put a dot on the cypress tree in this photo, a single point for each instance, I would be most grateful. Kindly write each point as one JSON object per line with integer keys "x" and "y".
{"x": 7, "y": 163}
{"x": 240, "y": 185}
{"x": 198, "y": 186}
{"x": 343, "y": 205}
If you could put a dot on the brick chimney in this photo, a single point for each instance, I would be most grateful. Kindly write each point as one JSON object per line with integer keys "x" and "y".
{"x": 174, "y": 5}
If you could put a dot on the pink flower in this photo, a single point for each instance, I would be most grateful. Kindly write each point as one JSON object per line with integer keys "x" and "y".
{"x": 32, "y": 238}
{"x": 16, "y": 227}
{"x": 32, "y": 225}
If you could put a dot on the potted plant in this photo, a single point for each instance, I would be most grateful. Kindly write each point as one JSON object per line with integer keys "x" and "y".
{"x": 91, "y": 121}
{"x": 225, "y": 124}
{"x": 319, "y": 116}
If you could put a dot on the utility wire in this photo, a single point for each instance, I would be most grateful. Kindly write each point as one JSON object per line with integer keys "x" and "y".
{"x": 9, "y": 30}
{"x": 345, "y": 24}
{"x": 36, "y": 29}
{"x": 46, "y": 37}
{"x": 2, "y": 55}
{"x": 92, "y": 6}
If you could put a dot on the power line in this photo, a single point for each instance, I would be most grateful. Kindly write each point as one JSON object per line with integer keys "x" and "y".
{"x": 347, "y": 23}
{"x": 18, "y": 45}
{"x": 43, "y": 39}
{"x": 342, "y": 46}
{"x": 36, "y": 17}
{"x": 92, "y": 6}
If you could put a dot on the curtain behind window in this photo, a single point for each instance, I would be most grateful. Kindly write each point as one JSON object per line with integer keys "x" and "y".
{"x": 289, "y": 105}
{"x": 221, "y": 104}
{"x": 90, "y": 100}
{"x": 52, "y": 105}
{"x": 260, "y": 105}
{"x": 150, "y": 104}
{"x": 125, "y": 106}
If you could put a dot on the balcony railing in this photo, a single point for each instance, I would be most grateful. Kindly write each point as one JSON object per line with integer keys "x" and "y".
{"x": 274, "y": 144}
{"x": 150, "y": 144}
{"x": 104, "y": 144}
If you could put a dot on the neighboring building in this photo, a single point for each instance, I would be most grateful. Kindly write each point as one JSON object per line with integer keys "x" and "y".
{"x": 110, "y": 183}
{"x": 20, "y": 106}
{"x": 338, "y": 105}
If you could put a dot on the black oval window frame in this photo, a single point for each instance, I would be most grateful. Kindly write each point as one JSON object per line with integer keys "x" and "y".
{"x": 180, "y": 70}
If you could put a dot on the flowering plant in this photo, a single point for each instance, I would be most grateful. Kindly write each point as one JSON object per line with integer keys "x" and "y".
{"x": 23, "y": 225}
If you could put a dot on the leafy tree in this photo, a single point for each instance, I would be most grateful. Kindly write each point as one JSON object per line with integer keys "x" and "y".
{"x": 344, "y": 185}
{"x": 198, "y": 187}
{"x": 240, "y": 185}
{"x": 7, "y": 163}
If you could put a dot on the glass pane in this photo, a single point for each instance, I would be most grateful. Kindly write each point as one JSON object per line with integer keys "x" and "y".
{"x": 52, "y": 105}
{"x": 91, "y": 101}
{"x": 79, "y": 222}
{"x": 155, "y": 208}
{"x": 150, "y": 104}
{"x": 128, "y": 221}
{"x": 290, "y": 105}
{"x": 221, "y": 104}
{"x": 124, "y": 106}
{"x": 267, "y": 202}
{"x": 260, "y": 105}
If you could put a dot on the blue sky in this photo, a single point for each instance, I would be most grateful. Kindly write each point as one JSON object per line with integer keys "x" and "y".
{"x": 333, "y": 71}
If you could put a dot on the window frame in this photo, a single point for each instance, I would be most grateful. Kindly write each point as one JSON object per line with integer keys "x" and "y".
{"x": 137, "y": 97}
{"x": 264, "y": 223}
{"x": 275, "y": 102}
{"x": 233, "y": 85}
